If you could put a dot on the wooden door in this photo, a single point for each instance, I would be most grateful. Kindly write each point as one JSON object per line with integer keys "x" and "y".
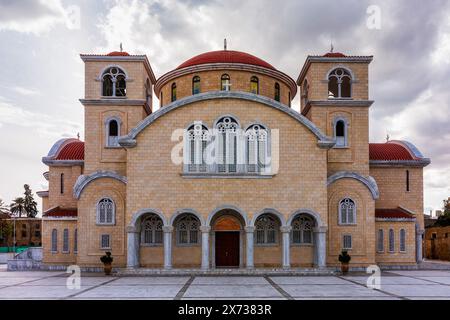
{"x": 227, "y": 249}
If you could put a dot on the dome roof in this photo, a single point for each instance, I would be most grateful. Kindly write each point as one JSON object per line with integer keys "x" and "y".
{"x": 334, "y": 55}
{"x": 225, "y": 56}
{"x": 118, "y": 54}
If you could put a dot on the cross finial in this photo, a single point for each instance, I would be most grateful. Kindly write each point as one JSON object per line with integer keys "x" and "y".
{"x": 225, "y": 44}
{"x": 331, "y": 47}
{"x": 121, "y": 48}
{"x": 387, "y": 137}
{"x": 78, "y": 136}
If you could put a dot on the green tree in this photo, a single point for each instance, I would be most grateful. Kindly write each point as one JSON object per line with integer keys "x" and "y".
{"x": 30, "y": 204}
{"x": 4, "y": 208}
{"x": 18, "y": 206}
{"x": 444, "y": 219}
{"x": 6, "y": 231}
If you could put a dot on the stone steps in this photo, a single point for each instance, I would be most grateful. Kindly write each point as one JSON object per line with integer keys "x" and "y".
{"x": 225, "y": 271}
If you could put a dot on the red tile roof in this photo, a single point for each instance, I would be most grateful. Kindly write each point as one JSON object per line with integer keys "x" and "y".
{"x": 334, "y": 55}
{"x": 74, "y": 150}
{"x": 397, "y": 213}
{"x": 61, "y": 212}
{"x": 389, "y": 151}
{"x": 118, "y": 53}
{"x": 225, "y": 56}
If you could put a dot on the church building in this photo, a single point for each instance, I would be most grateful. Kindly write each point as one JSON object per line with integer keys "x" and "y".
{"x": 225, "y": 174}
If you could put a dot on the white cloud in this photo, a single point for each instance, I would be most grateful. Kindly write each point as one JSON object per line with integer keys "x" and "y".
{"x": 36, "y": 16}
{"x": 26, "y": 91}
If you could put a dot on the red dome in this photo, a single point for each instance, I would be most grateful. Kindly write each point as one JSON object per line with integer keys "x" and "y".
{"x": 72, "y": 151}
{"x": 225, "y": 56}
{"x": 334, "y": 55}
{"x": 389, "y": 151}
{"x": 118, "y": 53}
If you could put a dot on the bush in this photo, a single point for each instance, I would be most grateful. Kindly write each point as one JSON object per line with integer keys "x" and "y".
{"x": 106, "y": 259}
{"x": 344, "y": 257}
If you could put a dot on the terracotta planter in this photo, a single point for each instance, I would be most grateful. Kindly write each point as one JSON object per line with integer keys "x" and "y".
{"x": 344, "y": 268}
{"x": 107, "y": 267}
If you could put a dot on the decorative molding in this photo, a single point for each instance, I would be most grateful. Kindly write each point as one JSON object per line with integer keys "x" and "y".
{"x": 42, "y": 194}
{"x": 227, "y": 207}
{"x": 311, "y": 213}
{"x": 84, "y": 180}
{"x": 62, "y": 163}
{"x": 396, "y": 219}
{"x": 129, "y": 140}
{"x": 280, "y": 76}
{"x": 49, "y": 159}
{"x": 138, "y": 214}
{"x": 216, "y": 175}
{"x": 180, "y": 212}
{"x": 269, "y": 211}
{"x": 400, "y": 163}
{"x": 120, "y": 101}
{"x": 369, "y": 182}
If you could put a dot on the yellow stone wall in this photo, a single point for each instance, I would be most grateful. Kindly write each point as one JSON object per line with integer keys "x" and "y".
{"x": 363, "y": 239}
{"x": 392, "y": 185}
{"x": 396, "y": 257}
{"x": 66, "y": 199}
{"x": 211, "y": 81}
{"x": 59, "y": 257}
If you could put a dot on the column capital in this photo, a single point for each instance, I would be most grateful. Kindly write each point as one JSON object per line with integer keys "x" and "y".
{"x": 420, "y": 231}
{"x": 205, "y": 229}
{"x": 249, "y": 229}
{"x": 285, "y": 229}
{"x": 167, "y": 229}
{"x": 132, "y": 229}
{"x": 321, "y": 229}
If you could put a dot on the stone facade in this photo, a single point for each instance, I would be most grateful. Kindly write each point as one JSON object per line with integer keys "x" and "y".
{"x": 153, "y": 196}
{"x": 437, "y": 243}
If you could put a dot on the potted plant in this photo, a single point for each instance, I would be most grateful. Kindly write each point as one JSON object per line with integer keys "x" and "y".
{"x": 107, "y": 260}
{"x": 344, "y": 258}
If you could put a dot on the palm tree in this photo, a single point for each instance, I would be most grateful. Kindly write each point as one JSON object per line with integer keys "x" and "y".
{"x": 18, "y": 206}
{"x": 4, "y": 208}
{"x": 30, "y": 205}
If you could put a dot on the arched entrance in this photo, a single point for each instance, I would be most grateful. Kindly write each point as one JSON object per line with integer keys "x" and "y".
{"x": 227, "y": 228}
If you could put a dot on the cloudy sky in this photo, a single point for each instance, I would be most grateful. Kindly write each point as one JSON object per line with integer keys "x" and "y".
{"x": 42, "y": 75}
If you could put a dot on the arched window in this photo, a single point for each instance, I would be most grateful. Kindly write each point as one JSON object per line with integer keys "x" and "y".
{"x": 61, "y": 183}
{"x": 254, "y": 85}
{"x": 161, "y": 100}
{"x": 340, "y": 132}
{"x": 380, "y": 240}
{"x": 302, "y": 228}
{"x": 402, "y": 240}
{"x": 257, "y": 153}
{"x": 305, "y": 92}
{"x": 277, "y": 92}
{"x": 187, "y": 230}
{"x": 195, "y": 85}
{"x": 339, "y": 84}
{"x": 391, "y": 240}
{"x": 198, "y": 137}
{"x": 347, "y": 211}
{"x": 75, "y": 241}
{"x": 266, "y": 230}
{"x": 174, "y": 92}
{"x": 152, "y": 230}
{"x": 113, "y": 132}
{"x": 54, "y": 240}
{"x": 66, "y": 241}
{"x": 227, "y": 146}
{"x": 407, "y": 180}
{"x": 289, "y": 99}
{"x": 114, "y": 82}
{"x": 106, "y": 211}
{"x": 225, "y": 83}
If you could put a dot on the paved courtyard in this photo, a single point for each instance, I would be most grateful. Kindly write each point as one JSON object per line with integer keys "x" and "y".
{"x": 421, "y": 284}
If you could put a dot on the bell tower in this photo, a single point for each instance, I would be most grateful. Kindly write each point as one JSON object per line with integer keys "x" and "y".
{"x": 118, "y": 94}
{"x": 335, "y": 96}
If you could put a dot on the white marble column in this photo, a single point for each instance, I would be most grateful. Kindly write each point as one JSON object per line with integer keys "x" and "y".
{"x": 249, "y": 231}
{"x": 132, "y": 247}
{"x": 168, "y": 230}
{"x": 419, "y": 253}
{"x": 205, "y": 246}
{"x": 285, "y": 232}
{"x": 320, "y": 247}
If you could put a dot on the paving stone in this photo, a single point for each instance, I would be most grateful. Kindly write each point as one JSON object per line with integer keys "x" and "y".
{"x": 132, "y": 291}
{"x": 314, "y": 290}
{"x": 432, "y": 290}
{"x": 231, "y": 291}
{"x": 62, "y": 281}
{"x": 443, "y": 280}
{"x": 230, "y": 280}
{"x": 423, "y": 273}
{"x": 308, "y": 280}
{"x": 37, "y": 292}
{"x": 149, "y": 281}
{"x": 389, "y": 280}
